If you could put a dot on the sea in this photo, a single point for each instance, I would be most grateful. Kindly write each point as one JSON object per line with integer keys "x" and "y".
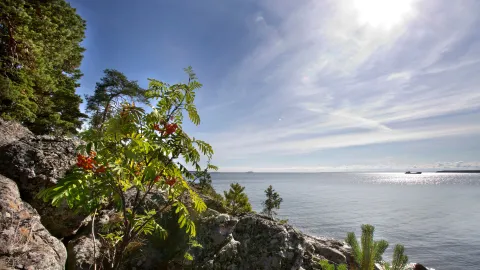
{"x": 436, "y": 216}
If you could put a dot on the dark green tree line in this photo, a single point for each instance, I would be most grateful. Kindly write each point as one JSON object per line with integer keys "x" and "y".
{"x": 40, "y": 55}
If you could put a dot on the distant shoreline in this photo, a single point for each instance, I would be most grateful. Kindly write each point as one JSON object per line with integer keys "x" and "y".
{"x": 459, "y": 171}
{"x": 430, "y": 171}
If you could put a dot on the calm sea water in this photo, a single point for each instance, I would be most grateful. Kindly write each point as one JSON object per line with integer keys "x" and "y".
{"x": 436, "y": 216}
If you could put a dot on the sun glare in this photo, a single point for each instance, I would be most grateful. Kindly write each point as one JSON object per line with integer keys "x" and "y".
{"x": 383, "y": 13}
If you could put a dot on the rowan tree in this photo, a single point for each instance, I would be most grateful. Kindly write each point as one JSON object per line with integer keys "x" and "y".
{"x": 138, "y": 153}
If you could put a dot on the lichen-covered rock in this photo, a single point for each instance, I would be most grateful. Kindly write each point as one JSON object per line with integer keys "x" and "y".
{"x": 258, "y": 242}
{"x": 213, "y": 203}
{"x": 325, "y": 248}
{"x": 11, "y": 131}
{"x": 24, "y": 241}
{"x": 82, "y": 253}
{"x": 37, "y": 162}
{"x": 214, "y": 231}
{"x": 246, "y": 242}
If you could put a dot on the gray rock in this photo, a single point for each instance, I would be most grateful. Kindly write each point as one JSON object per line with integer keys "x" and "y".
{"x": 212, "y": 203}
{"x": 222, "y": 218}
{"x": 258, "y": 242}
{"x": 330, "y": 249}
{"x": 230, "y": 249}
{"x": 214, "y": 232}
{"x": 38, "y": 162}
{"x": 11, "y": 131}
{"x": 24, "y": 241}
{"x": 81, "y": 253}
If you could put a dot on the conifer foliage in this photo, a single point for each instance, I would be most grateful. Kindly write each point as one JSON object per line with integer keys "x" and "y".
{"x": 399, "y": 261}
{"x": 368, "y": 252}
{"x": 236, "y": 200}
{"x": 113, "y": 90}
{"x": 272, "y": 202}
{"x": 40, "y": 56}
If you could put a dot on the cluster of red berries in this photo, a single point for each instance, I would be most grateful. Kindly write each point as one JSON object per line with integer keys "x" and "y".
{"x": 100, "y": 169}
{"x": 86, "y": 162}
{"x": 169, "y": 181}
{"x": 89, "y": 162}
{"x": 168, "y": 128}
{"x": 138, "y": 168}
{"x": 157, "y": 127}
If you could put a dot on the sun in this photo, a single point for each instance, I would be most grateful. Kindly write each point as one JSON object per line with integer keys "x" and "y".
{"x": 383, "y": 13}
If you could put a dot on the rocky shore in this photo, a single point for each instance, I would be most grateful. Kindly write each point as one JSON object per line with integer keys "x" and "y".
{"x": 35, "y": 235}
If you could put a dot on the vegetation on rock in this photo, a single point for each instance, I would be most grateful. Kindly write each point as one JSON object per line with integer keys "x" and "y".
{"x": 134, "y": 155}
{"x": 236, "y": 200}
{"x": 368, "y": 252}
{"x": 204, "y": 186}
{"x": 40, "y": 55}
{"x": 273, "y": 201}
{"x": 327, "y": 266}
{"x": 399, "y": 261}
{"x": 204, "y": 180}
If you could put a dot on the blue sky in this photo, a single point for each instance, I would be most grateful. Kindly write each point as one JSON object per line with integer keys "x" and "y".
{"x": 307, "y": 85}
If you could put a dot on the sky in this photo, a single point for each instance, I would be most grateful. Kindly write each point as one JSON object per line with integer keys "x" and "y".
{"x": 307, "y": 85}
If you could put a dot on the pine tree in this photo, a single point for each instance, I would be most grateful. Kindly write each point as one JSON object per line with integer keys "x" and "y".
{"x": 236, "y": 200}
{"x": 40, "y": 54}
{"x": 370, "y": 251}
{"x": 204, "y": 180}
{"x": 113, "y": 89}
{"x": 273, "y": 201}
{"x": 399, "y": 261}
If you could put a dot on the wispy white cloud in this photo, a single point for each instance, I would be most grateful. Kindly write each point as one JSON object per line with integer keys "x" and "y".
{"x": 399, "y": 76}
{"x": 449, "y": 165}
{"x": 337, "y": 81}
{"x": 276, "y": 143}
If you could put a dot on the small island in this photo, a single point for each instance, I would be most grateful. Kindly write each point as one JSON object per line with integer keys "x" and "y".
{"x": 459, "y": 171}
